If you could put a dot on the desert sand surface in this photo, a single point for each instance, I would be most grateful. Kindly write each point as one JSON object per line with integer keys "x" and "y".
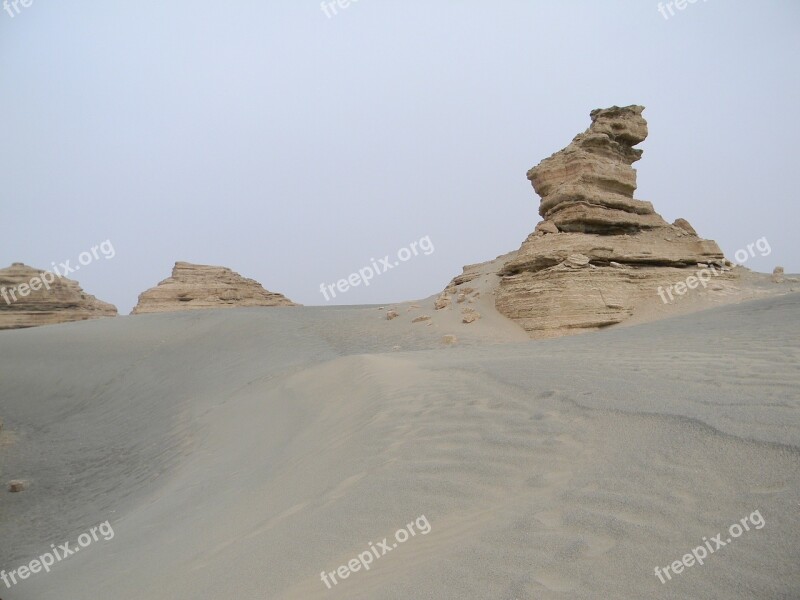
{"x": 239, "y": 453}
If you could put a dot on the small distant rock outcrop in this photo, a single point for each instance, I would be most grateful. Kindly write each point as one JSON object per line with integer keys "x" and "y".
{"x": 599, "y": 253}
{"x": 195, "y": 287}
{"x": 31, "y": 297}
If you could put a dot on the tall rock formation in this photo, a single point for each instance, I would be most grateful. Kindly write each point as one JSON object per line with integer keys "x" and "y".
{"x": 194, "y": 287}
{"x": 30, "y": 297}
{"x": 599, "y": 253}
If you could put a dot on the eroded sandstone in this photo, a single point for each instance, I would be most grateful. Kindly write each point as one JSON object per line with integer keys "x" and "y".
{"x": 31, "y": 297}
{"x": 599, "y": 254}
{"x": 195, "y": 287}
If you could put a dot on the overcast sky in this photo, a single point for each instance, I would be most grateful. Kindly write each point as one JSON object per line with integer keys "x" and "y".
{"x": 295, "y": 147}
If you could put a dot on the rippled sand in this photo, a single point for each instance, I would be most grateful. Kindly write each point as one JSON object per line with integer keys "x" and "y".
{"x": 239, "y": 453}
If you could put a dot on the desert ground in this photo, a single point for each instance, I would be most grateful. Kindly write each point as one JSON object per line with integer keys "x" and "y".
{"x": 241, "y": 453}
{"x": 368, "y": 300}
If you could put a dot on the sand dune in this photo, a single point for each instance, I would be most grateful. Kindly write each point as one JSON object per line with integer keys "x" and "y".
{"x": 239, "y": 453}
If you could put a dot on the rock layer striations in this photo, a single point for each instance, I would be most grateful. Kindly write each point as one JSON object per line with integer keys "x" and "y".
{"x": 30, "y": 297}
{"x": 194, "y": 287}
{"x": 599, "y": 253}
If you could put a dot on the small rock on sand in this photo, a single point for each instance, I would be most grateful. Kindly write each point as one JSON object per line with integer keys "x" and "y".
{"x": 469, "y": 315}
{"x": 441, "y": 302}
{"x": 17, "y": 486}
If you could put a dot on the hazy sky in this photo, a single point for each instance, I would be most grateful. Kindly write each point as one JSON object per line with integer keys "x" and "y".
{"x": 294, "y": 147}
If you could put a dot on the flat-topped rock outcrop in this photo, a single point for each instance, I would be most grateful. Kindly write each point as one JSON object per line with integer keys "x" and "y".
{"x": 30, "y": 297}
{"x": 194, "y": 287}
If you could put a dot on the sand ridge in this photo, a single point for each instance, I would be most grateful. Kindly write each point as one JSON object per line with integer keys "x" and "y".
{"x": 250, "y": 449}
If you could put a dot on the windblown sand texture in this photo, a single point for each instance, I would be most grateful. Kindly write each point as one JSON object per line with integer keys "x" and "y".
{"x": 238, "y": 453}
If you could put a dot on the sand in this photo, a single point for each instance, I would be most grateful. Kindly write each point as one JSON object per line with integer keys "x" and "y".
{"x": 239, "y": 453}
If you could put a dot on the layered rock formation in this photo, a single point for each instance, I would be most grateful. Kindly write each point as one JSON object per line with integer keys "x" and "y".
{"x": 194, "y": 287}
{"x": 30, "y": 297}
{"x": 599, "y": 254}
